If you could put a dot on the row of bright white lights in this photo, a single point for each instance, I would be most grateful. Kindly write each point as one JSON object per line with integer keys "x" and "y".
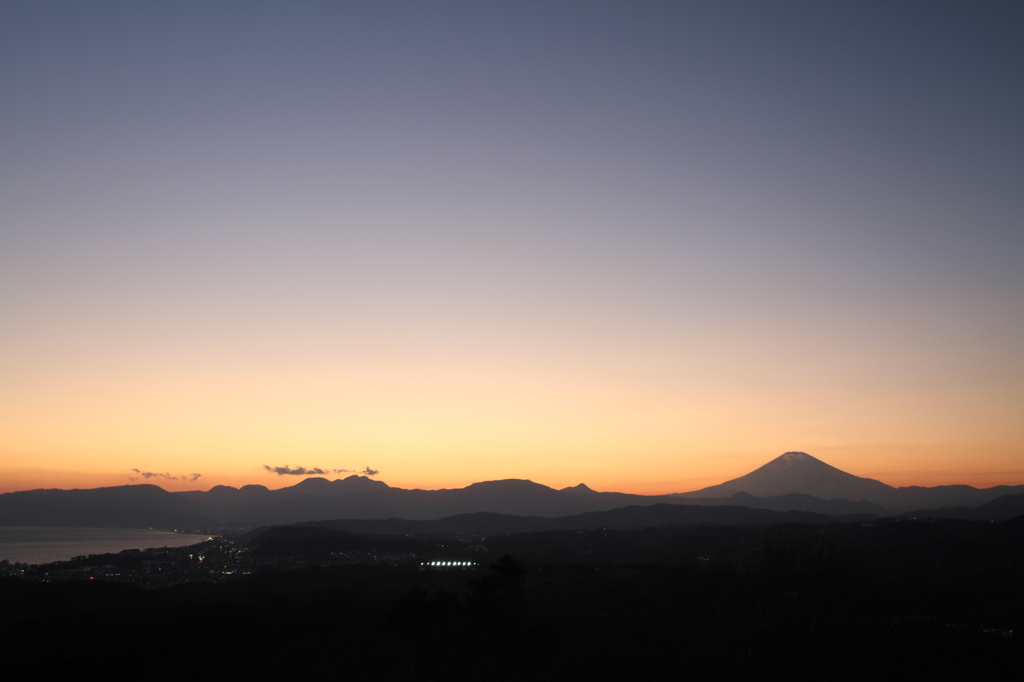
{"x": 451, "y": 563}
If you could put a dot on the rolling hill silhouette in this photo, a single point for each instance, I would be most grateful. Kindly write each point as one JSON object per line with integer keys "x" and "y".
{"x": 794, "y": 481}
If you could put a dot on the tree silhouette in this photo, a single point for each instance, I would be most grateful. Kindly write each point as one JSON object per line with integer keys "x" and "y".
{"x": 500, "y": 590}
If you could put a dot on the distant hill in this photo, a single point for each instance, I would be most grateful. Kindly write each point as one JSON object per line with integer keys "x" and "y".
{"x": 794, "y": 481}
{"x": 126, "y": 506}
{"x": 1000, "y": 509}
{"x": 626, "y": 518}
{"x": 944, "y": 497}
{"x": 356, "y": 497}
{"x": 792, "y": 502}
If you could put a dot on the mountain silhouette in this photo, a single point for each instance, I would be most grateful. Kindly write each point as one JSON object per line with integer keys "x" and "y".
{"x": 794, "y": 481}
{"x": 798, "y": 472}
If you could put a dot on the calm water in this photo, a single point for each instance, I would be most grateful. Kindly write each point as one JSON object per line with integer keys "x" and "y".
{"x": 43, "y": 545}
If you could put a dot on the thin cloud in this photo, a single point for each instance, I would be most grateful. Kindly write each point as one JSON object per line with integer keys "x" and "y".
{"x": 139, "y": 473}
{"x": 288, "y": 470}
{"x": 365, "y": 472}
{"x": 154, "y": 474}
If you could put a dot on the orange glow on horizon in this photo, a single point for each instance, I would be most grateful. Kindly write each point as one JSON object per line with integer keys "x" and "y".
{"x": 419, "y": 251}
{"x": 698, "y": 474}
{"x": 450, "y": 423}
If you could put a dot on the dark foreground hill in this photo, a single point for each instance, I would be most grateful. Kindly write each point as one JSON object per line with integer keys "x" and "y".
{"x": 829, "y": 602}
{"x": 632, "y": 517}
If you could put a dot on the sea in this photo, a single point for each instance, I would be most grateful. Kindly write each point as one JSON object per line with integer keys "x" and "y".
{"x": 35, "y": 545}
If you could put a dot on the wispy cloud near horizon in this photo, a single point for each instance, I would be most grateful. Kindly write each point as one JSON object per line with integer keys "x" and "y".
{"x": 288, "y": 470}
{"x": 155, "y": 474}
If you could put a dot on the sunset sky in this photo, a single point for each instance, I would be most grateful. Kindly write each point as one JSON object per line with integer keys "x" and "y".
{"x": 648, "y": 246}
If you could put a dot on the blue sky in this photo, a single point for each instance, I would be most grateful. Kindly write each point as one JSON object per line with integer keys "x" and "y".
{"x": 647, "y": 243}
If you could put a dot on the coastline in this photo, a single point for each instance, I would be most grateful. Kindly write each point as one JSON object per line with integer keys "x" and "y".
{"x": 35, "y": 545}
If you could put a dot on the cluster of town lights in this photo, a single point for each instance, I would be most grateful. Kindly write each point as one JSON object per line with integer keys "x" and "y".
{"x": 449, "y": 563}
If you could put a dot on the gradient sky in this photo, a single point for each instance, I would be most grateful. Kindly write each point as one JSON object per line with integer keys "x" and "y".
{"x": 647, "y": 246}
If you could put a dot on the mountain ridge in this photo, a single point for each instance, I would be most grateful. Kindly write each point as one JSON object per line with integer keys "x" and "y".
{"x": 794, "y": 481}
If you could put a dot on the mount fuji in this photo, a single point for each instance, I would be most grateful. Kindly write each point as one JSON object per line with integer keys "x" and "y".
{"x": 798, "y": 472}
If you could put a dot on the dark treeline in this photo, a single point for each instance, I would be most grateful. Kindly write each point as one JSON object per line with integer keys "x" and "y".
{"x": 886, "y": 601}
